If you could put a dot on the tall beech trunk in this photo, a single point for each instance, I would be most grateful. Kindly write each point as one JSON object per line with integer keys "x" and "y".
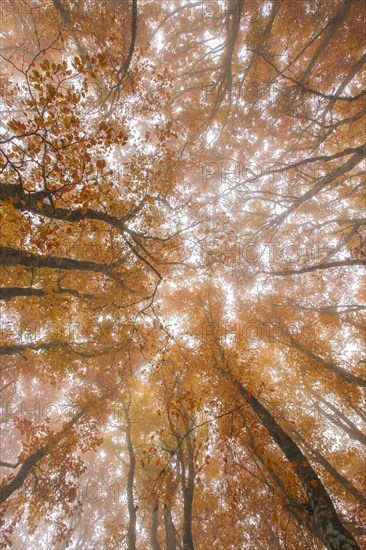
{"x": 187, "y": 483}
{"x": 154, "y": 527}
{"x": 187, "y": 479}
{"x": 17, "y": 482}
{"x": 332, "y": 28}
{"x": 319, "y": 186}
{"x": 292, "y": 507}
{"x": 131, "y": 533}
{"x": 170, "y": 531}
{"x": 188, "y": 492}
{"x": 327, "y": 524}
{"x": 18, "y": 348}
{"x": 35, "y": 202}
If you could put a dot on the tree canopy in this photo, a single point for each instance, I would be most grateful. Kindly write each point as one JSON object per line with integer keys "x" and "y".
{"x": 182, "y": 264}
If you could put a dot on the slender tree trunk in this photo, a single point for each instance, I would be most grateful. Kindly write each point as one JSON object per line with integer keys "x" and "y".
{"x": 9, "y": 293}
{"x": 320, "y": 459}
{"x": 351, "y": 430}
{"x": 130, "y": 485}
{"x": 170, "y": 531}
{"x": 293, "y": 507}
{"x": 154, "y": 527}
{"x": 187, "y": 517}
{"x": 35, "y": 202}
{"x": 357, "y": 410}
{"x": 329, "y": 365}
{"x": 333, "y": 25}
{"x": 330, "y": 530}
{"x": 339, "y": 419}
{"x": 187, "y": 481}
{"x": 188, "y": 493}
{"x": 18, "y": 348}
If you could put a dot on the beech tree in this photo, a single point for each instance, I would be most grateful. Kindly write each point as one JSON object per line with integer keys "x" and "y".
{"x": 182, "y": 261}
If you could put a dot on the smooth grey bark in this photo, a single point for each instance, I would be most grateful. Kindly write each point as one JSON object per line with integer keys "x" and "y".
{"x": 154, "y": 527}
{"x": 328, "y": 526}
{"x": 170, "y": 531}
{"x": 131, "y": 532}
{"x": 187, "y": 479}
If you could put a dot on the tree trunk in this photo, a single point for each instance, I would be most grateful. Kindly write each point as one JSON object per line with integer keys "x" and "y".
{"x": 130, "y": 485}
{"x": 154, "y": 527}
{"x": 320, "y": 459}
{"x": 330, "y": 530}
{"x": 329, "y": 365}
{"x": 35, "y": 202}
{"x": 292, "y": 507}
{"x": 170, "y": 531}
{"x": 188, "y": 492}
{"x": 186, "y": 484}
{"x": 339, "y": 419}
{"x": 187, "y": 516}
{"x": 10, "y": 256}
{"x": 8, "y": 293}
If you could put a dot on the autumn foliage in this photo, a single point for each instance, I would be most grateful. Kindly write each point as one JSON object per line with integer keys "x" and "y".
{"x": 182, "y": 265}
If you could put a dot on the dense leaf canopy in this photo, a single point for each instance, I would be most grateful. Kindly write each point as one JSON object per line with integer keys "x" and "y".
{"x": 182, "y": 265}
